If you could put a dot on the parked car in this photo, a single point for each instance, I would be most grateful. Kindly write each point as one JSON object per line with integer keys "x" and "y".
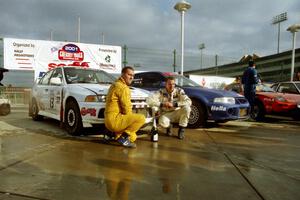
{"x": 76, "y": 97}
{"x": 207, "y": 104}
{"x": 272, "y": 103}
{"x": 292, "y": 87}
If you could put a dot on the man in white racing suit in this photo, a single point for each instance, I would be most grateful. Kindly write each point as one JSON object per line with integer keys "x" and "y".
{"x": 173, "y": 106}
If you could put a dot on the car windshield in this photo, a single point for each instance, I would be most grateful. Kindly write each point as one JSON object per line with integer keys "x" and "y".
{"x": 264, "y": 88}
{"x": 185, "y": 82}
{"x": 83, "y": 75}
{"x": 298, "y": 85}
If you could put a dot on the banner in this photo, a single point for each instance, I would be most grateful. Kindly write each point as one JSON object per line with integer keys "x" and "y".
{"x": 41, "y": 56}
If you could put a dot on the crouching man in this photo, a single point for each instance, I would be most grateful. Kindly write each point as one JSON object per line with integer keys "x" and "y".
{"x": 174, "y": 106}
{"x": 118, "y": 110}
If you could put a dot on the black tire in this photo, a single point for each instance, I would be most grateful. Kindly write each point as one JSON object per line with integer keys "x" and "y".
{"x": 35, "y": 110}
{"x": 4, "y": 109}
{"x": 198, "y": 116}
{"x": 258, "y": 112}
{"x": 73, "y": 120}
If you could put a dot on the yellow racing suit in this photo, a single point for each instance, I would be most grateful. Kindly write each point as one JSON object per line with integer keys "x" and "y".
{"x": 118, "y": 111}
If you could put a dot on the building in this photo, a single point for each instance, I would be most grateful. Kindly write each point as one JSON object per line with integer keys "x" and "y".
{"x": 272, "y": 68}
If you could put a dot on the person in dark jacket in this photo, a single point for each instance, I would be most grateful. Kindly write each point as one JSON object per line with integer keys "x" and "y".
{"x": 249, "y": 81}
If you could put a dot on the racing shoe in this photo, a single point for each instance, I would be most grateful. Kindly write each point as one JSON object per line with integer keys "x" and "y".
{"x": 181, "y": 132}
{"x": 169, "y": 133}
{"x": 124, "y": 141}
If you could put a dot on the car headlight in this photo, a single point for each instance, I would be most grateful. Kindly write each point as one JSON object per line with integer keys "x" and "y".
{"x": 95, "y": 98}
{"x": 226, "y": 100}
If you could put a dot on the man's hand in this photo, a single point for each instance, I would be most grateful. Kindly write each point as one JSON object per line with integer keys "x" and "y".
{"x": 168, "y": 105}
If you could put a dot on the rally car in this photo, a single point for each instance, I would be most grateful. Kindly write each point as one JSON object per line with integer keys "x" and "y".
{"x": 76, "y": 97}
{"x": 207, "y": 104}
{"x": 273, "y": 103}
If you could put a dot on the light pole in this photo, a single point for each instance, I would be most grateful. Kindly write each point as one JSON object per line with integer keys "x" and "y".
{"x": 201, "y": 47}
{"x": 181, "y": 7}
{"x": 276, "y": 20}
{"x": 293, "y": 29}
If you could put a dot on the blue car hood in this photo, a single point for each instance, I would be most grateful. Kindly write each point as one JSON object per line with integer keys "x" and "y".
{"x": 208, "y": 93}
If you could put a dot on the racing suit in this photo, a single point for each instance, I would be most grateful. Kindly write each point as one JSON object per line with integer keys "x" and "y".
{"x": 118, "y": 111}
{"x": 179, "y": 113}
{"x": 249, "y": 80}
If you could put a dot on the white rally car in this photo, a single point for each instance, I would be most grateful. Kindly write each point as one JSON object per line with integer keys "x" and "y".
{"x": 76, "y": 97}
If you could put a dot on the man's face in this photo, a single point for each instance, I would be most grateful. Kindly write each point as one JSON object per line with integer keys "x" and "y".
{"x": 170, "y": 85}
{"x": 128, "y": 76}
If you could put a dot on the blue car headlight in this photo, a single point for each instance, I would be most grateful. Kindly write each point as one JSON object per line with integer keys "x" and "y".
{"x": 225, "y": 100}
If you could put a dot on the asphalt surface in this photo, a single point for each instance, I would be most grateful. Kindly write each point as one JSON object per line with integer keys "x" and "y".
{"x": 234, "y": 160}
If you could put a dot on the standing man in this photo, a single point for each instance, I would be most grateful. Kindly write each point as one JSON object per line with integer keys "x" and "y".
{"x": 174, "y": 106}
{"x": 249, "y": 80}
{"x": 118, "y": 110}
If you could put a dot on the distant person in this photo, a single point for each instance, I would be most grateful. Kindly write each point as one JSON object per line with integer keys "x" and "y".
{"x": 2, "y": 70}
{"x": 118, "y": 110}
{"x": 297, "y": 76}
{"x": 174, "y": 106}
{"x": 236, "y": 85}
{"x": 249, "y": 81}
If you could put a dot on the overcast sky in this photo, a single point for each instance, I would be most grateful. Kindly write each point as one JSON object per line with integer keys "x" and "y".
{"x": 229, "y": 28}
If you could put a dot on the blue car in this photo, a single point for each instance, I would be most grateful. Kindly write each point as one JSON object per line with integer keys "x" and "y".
{"x": 207, "y": 104}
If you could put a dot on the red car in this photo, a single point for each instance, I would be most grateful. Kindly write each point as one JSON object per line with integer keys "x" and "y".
{"x": 271, "y": 103}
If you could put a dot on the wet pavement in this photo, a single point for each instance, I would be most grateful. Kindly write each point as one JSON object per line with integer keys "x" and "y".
{"x": 234, "y": 160}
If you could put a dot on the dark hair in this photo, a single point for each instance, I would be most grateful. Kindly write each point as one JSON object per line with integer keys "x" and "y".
{"x": 251, "y": 63}
{"x": 126, "y": 68}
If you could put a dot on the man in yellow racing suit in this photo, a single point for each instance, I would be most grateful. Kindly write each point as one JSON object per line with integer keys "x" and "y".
{"x": 118, "y": 110}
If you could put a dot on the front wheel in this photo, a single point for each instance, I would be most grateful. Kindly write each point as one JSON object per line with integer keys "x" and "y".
{"x": 198, "y": 115}
{"x": 73, "y": 121}
{"x": 258, "y": 112}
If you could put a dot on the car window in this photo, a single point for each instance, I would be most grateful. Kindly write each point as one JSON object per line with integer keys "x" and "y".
{"x": 288, "y": 88}
{"x": 81, "y": 75}
{"x": 46, "y": 78}
{"x": 57, "y": 73}
{"x": 149, "y": 80}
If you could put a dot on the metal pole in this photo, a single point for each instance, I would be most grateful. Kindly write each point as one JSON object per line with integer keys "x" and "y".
{"x": 102, "y": 34}
{"x": 125, "y": 56}
{"x": 201, "y": 60}
{"x": 174, "y": 60}
{"x": 51, "y": 34}
{"x": 78, "y": 31}
{"x": 293, "y": 56}
{"x": 278, "y": 37}
{"x": 182, "y": 41}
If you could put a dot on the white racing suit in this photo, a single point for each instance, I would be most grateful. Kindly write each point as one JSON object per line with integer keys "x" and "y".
{"x": 179, "y": 113}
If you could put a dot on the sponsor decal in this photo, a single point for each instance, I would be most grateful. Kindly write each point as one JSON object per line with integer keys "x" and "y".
{"x": 85, "y": 111}
{"x": 218, "y": 108}
{"x": 70, "y": 52}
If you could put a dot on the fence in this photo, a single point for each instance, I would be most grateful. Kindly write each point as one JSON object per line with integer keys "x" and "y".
{"x": 16, "y": 95}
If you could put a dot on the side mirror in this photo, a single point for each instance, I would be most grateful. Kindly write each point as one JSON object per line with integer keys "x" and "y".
{"x": 55, "y": 81}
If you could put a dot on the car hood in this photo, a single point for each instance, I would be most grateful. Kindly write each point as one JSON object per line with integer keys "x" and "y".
{"x": 209, "y": 93}
{"x": 103, "y": 89}
{"x": 288, "y": 97}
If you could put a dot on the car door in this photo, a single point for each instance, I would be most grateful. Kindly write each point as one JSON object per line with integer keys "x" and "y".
{"x": 42, "y": 92}
{"x": 55, "y": 92}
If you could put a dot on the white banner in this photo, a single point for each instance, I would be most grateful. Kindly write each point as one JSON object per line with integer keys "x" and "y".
{"x": 41, "y": 56}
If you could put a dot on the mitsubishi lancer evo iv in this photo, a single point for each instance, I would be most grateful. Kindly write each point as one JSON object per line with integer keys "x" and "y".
{"x": 207, "y": 104}
{"x": 76, "y": 97}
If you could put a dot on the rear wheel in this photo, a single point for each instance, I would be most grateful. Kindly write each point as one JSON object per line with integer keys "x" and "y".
{"x": 73, "y": 121}
{"x": 4, "y": 109}
{"x": 198, "y": 115}
{"x": 35, "y": 111}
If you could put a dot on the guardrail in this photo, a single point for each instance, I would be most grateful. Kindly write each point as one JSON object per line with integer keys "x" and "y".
{"x": 16, "y": 95}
